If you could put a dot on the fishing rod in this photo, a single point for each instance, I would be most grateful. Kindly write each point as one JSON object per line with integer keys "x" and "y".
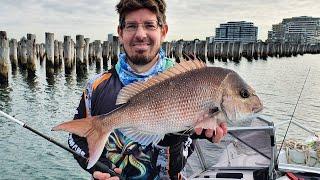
{"x": 102, "y": 167}
{"x": 294, "y": 110}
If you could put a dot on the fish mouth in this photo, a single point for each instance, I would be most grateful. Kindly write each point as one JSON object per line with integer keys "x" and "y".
{"x": 258, "y": 110}
{"x": 239, "y": 117}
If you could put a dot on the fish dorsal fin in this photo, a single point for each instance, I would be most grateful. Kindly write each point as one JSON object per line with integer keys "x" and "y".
{"x": 133, "y": 89}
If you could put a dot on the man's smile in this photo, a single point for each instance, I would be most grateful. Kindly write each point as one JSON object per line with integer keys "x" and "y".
{"x": 141, "y": 46}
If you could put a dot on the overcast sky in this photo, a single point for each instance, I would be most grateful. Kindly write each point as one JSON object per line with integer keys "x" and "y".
{"x": 187, "y": 19}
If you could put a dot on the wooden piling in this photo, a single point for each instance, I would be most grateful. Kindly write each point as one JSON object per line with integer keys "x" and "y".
{"x": 90, "y": 53}
{"x": 185, "y": 48}
{"x": 294, "y": 50}
{"x": 304, "y": 49}
{"x": 271, "y": 49}
{"x": 4, "y": 58}
{"x": 86, "y": 51}
{"x": 105, "y": 53}
{"x": 73, "y": 56}
{"x": 214, "y": 50}
{"x": 300, "y": 49}
{"x": 170, "y": 50}
{"x": 245, "y": 50}
{"x": 115, "y": 51}
{"x": 201, "y": 48}
{"x": 255, "y": 52}
{"x": 67, "y": 54}
{"x": 280, "y": 50}
{"x": 217, "y": 52}
{"x": 190, "y": 48}
{"x": 49, "y": 50}
{"x": 81, "y": 66}
{"x": 230, "y": 50}
{"x": 288, "y": 49}
{"x": 264, "y": 51}
{"x": 236, "y": 51}
{"x": 210, "y": 53}
{"x": 23, "y": 53}
{"x": 60, "y": 49}
{"x": 37, "y": 50}
{"x": 205, "y": 50}
{"x": 224, "y": 51}
{"x": 248, "y": 51}
{"x": 56, "y": 53}
{"x": 98, "y": 53}
{"x": 31, "y": 54}
{"x": 275, "y": 50}
{"x": 178, "y": 51}
{"x": 13, "y": 44}
{"x": 193, "y": 48}
{"x": 165, "y": 47}
{"x": 252, "y": 47}
{"x": 41, "y": 52}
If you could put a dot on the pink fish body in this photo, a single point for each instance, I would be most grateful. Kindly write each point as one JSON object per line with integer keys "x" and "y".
{"x": 173, "y": 101}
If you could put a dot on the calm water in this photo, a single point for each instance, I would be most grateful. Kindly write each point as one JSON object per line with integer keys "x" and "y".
{"x": 43, "y": 103}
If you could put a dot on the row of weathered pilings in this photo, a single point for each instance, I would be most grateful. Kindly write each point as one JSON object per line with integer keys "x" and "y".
{"x": 235, "y": 50}
{"x": 26, "y": 52}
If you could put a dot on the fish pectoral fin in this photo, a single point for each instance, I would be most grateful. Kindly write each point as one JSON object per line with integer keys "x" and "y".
{"x": 141, "y": 137}
{"x": 185, "y": 132}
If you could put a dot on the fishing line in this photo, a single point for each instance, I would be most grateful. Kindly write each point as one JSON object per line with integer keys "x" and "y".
{"x": 294, "y": 110}
{"x": 102, "y": 167}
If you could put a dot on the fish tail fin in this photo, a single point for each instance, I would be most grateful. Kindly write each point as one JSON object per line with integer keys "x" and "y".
{"x": 92, "y": 129}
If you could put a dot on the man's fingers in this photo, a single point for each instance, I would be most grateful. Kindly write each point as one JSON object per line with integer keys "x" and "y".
{"x": 198, "y": 131}
{"x": 224, "y": 128}
{"x": 118, "y": 170}
{"x": 219, "y": 134}
{"x": 114, "y": 178}
{"x": 99, "y": 175}
{"x": 105, "y": 176}
{"x": 209, "y": 133}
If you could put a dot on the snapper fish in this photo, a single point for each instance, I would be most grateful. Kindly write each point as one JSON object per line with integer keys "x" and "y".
{"x": 173, "y": 101}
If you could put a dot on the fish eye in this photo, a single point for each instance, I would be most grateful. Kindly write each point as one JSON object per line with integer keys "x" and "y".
{"x": 244, "y": 93}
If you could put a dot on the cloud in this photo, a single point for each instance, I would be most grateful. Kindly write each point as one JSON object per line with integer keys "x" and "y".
{"x": 187, "y": 19}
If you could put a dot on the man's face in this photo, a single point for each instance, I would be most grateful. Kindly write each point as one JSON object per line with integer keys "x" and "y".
{"x": 141, "y": 44}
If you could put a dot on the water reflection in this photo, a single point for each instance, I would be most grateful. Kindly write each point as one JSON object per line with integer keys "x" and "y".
{"x": 69, "y": 80}
{"x": 14, "y": 72}
{"x": 5, "y": 98}
{"x": 50, "y": 80}
{"x": 81, "y": 78}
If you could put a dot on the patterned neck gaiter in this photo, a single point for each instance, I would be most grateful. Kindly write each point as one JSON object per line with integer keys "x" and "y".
{"x": 127, "y": 74}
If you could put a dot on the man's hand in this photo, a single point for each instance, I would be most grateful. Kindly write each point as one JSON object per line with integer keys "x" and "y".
{"x": 216, "y": 134}
{"x": 106, "y": 176}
